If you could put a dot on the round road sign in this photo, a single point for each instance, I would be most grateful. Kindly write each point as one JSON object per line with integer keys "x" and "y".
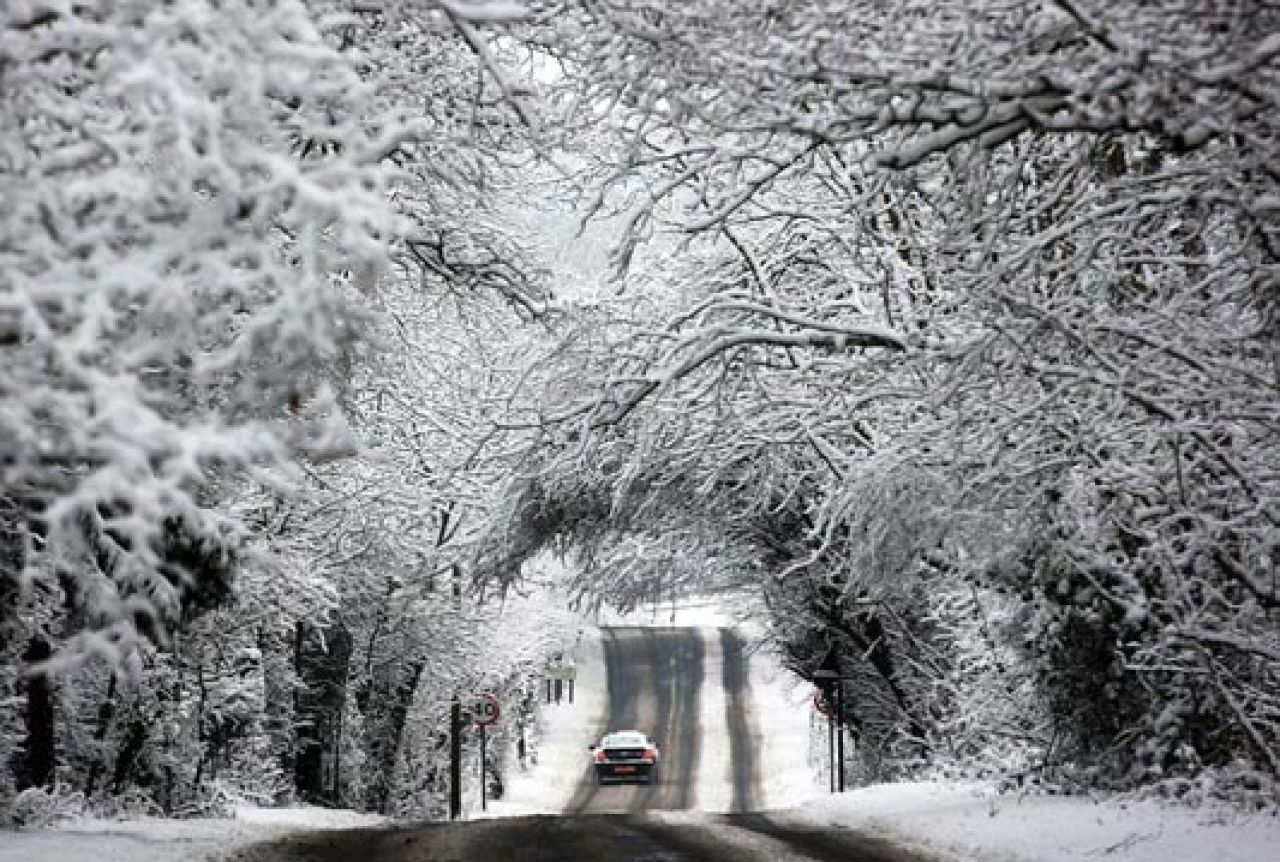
{"x": 485, "y": 709}
{"x": 820, "y": 704}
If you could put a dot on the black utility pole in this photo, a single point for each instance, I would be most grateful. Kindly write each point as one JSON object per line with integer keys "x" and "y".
{"x": 484, "y": 799}
{"x": 840, "y": 732}
{"x": 831, "y": 747}
{"x": 455, "y": 725}
{"x": 455, "y": 758}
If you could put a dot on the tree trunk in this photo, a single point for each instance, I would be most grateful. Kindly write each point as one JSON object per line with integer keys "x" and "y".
{"x": 388, "y": 713}
{"x": 131, "y": 749}
{"x": 39, "y": 751}
{"x": 280, "y": 695}
{"x": 106, "y": 712}
{"x": 322, "y": 659}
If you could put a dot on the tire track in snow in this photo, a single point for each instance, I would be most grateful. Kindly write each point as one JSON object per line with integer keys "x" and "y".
{"x": 740, "y": 719}
{"x": 654, "y": 683}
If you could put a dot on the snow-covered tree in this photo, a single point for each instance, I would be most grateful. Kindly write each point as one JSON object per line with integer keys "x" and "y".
{"x": 1022, "y": 253}
{"x": 254, "y": 254}
{"x": 192, "y": 201}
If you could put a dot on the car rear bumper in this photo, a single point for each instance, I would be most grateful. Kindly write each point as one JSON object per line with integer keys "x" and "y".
{"x": 624, "y": 771}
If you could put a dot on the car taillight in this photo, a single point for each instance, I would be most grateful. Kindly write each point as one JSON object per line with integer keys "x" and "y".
{"x": 599, "y": 755}
{"x": 651, "y": 754}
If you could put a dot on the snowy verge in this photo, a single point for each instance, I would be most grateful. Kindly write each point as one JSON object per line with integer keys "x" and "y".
{"x": 169, "y": 840}
{"x": 970, "y": 823}
{"x": 558, "y": 754}
{"x": 785, "y": 721}
{"x": 713, "y": 774}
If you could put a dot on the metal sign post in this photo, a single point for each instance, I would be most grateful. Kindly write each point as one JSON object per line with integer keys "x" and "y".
{"x": 840, "y": 724}
{"x": 484, "y": 712}
{"x": 831, "y": 750}
{"x": 455, "y": 757}
{"x": 836, "y": 680}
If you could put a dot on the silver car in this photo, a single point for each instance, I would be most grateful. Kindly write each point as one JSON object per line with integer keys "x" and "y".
{"x": 625, "y": 755}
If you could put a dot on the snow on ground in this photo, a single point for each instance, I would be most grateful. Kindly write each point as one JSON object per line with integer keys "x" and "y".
{"x": 971, "y": 823}
{"x": 967, "y": 823}
{"x": 691, "y": 612}
{"x": 786, "y": 722}
{"x": 714, "y": 770}
{"x": 956, "y": 823}
{"x": 168, "y": 840}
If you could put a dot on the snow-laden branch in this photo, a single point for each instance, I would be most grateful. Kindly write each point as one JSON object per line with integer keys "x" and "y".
{"x": 464, "y": 15}
{"x": 845, "y": 338}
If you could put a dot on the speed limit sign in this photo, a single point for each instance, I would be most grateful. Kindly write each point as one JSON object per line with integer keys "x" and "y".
{"x": 485, "y": 710}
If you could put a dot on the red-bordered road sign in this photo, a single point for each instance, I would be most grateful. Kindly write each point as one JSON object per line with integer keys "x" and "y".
{"x": 485, "y": 709}
{"x": 821, "y": 705}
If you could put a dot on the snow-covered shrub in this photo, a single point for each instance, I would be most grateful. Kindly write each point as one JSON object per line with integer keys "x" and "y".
{"x": 1155, "y": 665}
{"x": 131, "y": 803}
{"x": 38, "y": 807}
{"x": 1239, "y": 784}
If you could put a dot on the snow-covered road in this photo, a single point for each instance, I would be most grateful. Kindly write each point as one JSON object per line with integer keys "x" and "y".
{"x": 670, "y": 683}
{"x": 689, "y": 688}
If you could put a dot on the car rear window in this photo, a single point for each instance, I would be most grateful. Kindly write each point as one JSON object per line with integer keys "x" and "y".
{"x": 624, "y": 740}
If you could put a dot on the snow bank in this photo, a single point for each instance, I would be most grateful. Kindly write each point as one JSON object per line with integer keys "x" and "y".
{"x": 169, "y": 840}
{"x": 968, "y": 822}
{"x": 787, "y": 724}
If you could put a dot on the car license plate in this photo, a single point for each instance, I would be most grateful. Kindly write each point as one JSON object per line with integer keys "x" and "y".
{"x": 624, "y": 769}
